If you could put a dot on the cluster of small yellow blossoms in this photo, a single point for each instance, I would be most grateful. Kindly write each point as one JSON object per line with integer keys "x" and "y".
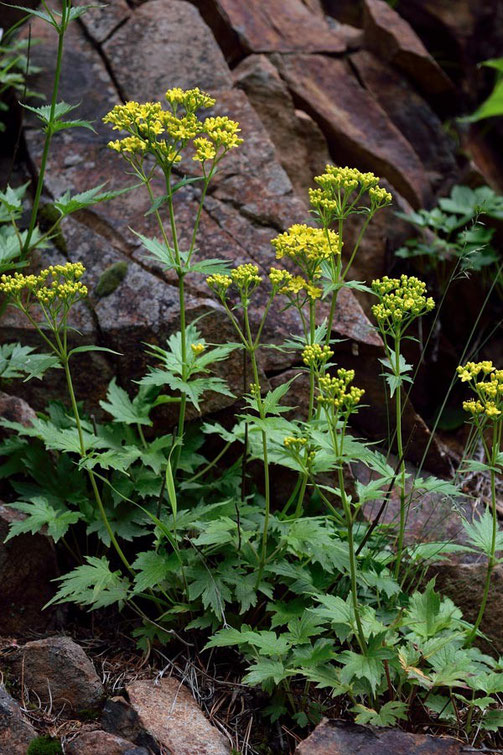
{"x": 315, "y": 354}
{"x": 307, "y": 246}
{"x": 341, "y": 189}
{"x": 489, "y": 390}
{"x": 164, "y": 133}
{"x": 335, "y": 391}
{"x": 296, "y": 443}
{"x": 401, "y": 300}
{"x": 219, "y": 283}
{"x": 244, "y": 277}
{"x": 297, "y": 288}
{"x": 55, "y": 285}
{"x": 197, "y": 348}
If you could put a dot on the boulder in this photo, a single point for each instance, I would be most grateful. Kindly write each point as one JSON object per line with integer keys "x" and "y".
{"x": 15, "y": 731}
{"x": 300, "y": 145}
{"x": 359, "y": 131}
{"x": 27, "y": 567}
{"x": 59, "y": 672}
{"x": 340, "y": 738}
{"x": 279, "y": 26}
{"x": 15, "y": 409}
{"x": 101, "y": 22}
{"x": 102, "y": 743}
{"x": 413, "y": 116}
{"x": 391, "y": 38}
{"x": 156, "y": 48}
{"x": 169, "y": 713}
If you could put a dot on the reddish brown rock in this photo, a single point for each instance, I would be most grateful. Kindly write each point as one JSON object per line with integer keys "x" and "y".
{"x": 166, "y": 44}
{"x": 170, "y": 714}
{"x": 300, "y": 145}
{"x": 102, "y": 743}
{"x": 413, "y": 116}
{"x": 59, "y": 672}
{"x": 27, "y": 567}
{"x": 339, "y": 738}
{"x": 392, "y": 38}
{"x": 359, "y": 131}
{"x": 15, "y": 732}
{"x": 280, "y": 26}
{"x": 15, "y": 409}
{"x": 101, "y": 22}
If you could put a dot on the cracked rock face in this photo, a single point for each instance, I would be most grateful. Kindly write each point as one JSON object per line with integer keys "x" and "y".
{"x": 294, "y": 57}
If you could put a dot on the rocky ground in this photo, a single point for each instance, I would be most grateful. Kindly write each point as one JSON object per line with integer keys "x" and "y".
{"x": 311, "y": 81}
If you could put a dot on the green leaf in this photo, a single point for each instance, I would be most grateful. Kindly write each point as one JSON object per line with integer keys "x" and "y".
{"x": 490, "y": 108}
{"x": 388, "y": 715}
{"x": 18, "y": 361}
{"x": 158, "y": 251}
{"x": 492, "y": 720}
{"x": 369, "y": 667}
{"x": 85, "y": 349}
{"x": 37, "y": 13}
{"x": 265, "y": 671}
{"x": 428, "y": 613}
{"x": 271, "y": 400}
{"x": 39, "y": 514}
{"x": 67, "y": 204}
{"x": 152, "y": 569}
{"x": 122, "y": 409}
{"x": 92, "y": 584}
{"x": 44, "y": 111}
{"x": 480, "y": 534}
{"x": 170, "y": 487}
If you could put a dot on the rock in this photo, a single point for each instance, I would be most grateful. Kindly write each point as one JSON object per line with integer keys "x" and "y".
{"x": 412, "y": 115}
{"x": 15, "y": 732}
{"x": 120, "y": 719}
{"x": 300, "y": 145}
{"x": 27, "y": 567}
{"x": 279, "y": 26}
{"x": 156, "y": 47}
{"x": 359, "y": 131}
{"x": 391, "y": 38}
{"x": 170, "y": 714}
{"x": 101, "y": 22}
{"x": 102, "y": 743}
{"x": 340, "y": 738}
{"x": 59, "y": 672}
{"x": 15, "y": 409}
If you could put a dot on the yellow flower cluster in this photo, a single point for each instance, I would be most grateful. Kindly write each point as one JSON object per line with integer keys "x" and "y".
{"x": 335, "y": 391}
{"x": 219, "y": 283}
{"x": 295, "y": 287}
{"x": 315, "y": 354}
{"x": 401, "y": 300}
{"x": 294, "y": 443}
{"x": 489, "y": 390}
{"x": 246, "y": 276}
{"x": 197, "y": 348}
{"x": 55, "y": 284}
{"x": 164, "y": 133}
{"x": 341, "y": 189}
{"x": 190, "y": 99}
{"x": 307, "y": 246}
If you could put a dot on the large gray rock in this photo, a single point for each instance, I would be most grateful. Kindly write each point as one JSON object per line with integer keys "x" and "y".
{"x": 102, "y": 743}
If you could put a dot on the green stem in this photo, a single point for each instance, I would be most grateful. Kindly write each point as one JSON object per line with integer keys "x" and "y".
{"x": 492, "y": 556}
{"x": 71, "y": 392}
{"x": 49, "y": 130}
{"x": 399, "y": 443}
{"x": 267, "y": 491}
